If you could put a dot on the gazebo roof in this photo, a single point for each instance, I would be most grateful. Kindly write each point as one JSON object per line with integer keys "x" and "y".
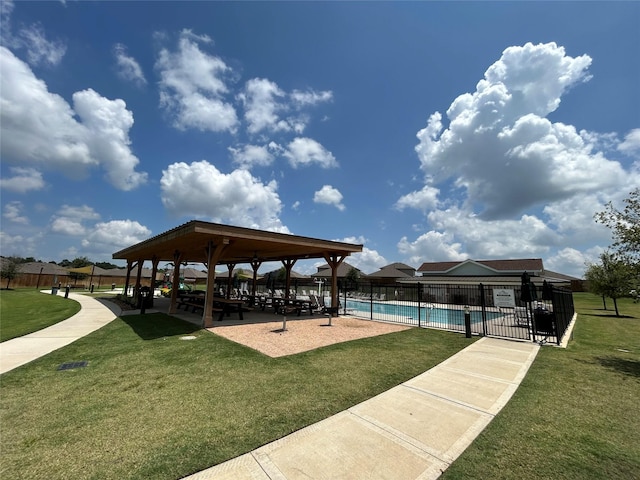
{"x": 242, "y": 245}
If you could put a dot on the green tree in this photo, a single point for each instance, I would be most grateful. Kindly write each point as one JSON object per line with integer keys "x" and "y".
{"x": 80, "y": 262}
{"x": 10, "y": 269}
{"x": 611, "y": 278}
{"x": 625, "y": 227}
{"x": 106, "y": 265}
{"x": 353, "y": 275}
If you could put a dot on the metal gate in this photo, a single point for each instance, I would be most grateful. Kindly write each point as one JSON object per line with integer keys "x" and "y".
{"x": 540, "y": 313}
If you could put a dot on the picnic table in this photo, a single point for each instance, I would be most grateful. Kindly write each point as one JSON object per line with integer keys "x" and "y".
{"x": 221, "y": 305}
{"x": 229, "y": 306}
{"x": 193, "y": 300}
{"x": 281, "y": 304}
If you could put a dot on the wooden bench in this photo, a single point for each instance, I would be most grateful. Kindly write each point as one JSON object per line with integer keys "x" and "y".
{"x": 194, "y": 305}
{"x": 198, "y": 306}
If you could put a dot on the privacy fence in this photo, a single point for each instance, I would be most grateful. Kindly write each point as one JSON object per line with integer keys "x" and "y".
{"x": 542, "y": 315}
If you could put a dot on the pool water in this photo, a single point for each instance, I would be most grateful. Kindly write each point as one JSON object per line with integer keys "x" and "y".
{"x": 410, "y": 312}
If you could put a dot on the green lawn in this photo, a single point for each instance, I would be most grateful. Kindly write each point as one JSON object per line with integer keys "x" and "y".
{"x": 25, "y": 310}
{"x": 576, "y": 415}
{"x": 150, "y": 405}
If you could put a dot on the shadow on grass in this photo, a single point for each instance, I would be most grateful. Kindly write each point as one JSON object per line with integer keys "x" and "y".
{"x": 115, "y": 309}
{"x": 158, "y": 325}
{"x": 622, "y": 365}
{"x": 610, "y": 315}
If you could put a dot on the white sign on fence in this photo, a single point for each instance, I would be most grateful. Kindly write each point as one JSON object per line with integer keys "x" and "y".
{"x": 504, "y": 297}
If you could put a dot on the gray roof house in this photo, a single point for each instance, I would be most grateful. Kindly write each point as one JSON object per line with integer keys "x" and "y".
{"x": 324, "y": 271}
{"x": 393, "y": 272}
{"x": 489, "y": 271}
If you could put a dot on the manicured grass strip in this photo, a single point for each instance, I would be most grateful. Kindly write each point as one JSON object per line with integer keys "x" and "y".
{"x": 24, "y": 311}
{"x": 151, "y": 405}
{"x": 575, "y": 415}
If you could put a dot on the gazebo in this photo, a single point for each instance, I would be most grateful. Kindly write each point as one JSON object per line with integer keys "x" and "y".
{"x": 216, "y": 244}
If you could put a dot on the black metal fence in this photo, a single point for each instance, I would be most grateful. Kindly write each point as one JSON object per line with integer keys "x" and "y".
{"x": 494, "y": 310}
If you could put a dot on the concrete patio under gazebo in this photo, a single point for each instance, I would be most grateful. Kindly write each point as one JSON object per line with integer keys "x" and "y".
{"x": 215, "y": 244}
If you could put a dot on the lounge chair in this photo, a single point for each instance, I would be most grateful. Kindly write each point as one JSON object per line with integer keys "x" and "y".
{"x": 522, "y": 316}
{"x": 316, "y": 306}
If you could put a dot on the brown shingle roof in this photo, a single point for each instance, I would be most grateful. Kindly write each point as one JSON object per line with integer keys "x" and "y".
{"x": 343, "y": 270}
{"x": 47, "y": 268}
{"x": 390, "y": 271}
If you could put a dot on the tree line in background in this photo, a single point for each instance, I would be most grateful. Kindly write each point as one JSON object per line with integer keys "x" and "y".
{"x": 618, "y": 273}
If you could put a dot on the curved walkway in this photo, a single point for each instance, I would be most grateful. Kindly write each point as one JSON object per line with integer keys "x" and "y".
{"x": 92, "y": 315}
{"x": 413, "y": 431}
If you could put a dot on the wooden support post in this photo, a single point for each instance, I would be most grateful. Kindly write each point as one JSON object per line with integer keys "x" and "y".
{"x": 175, "y": 282}
{"x": 154, "y": 271}
{"x": 214, "y": 252}
{"x": 334, "y": 260}
{"x": 288, "y": 265}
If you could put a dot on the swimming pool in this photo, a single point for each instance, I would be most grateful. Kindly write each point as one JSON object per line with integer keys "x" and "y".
{"x": 408, "y": 313}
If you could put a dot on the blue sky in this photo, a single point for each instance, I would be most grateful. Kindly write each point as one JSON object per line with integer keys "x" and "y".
{"x": 427, "y": 131}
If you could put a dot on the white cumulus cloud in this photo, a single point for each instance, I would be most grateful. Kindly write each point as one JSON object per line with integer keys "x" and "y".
{"x": 114, "y": 235}
{"x": 528, "y": 185}
{"x": 329, "y": 196}
{"x": 69, "y": 220}
{"x": 13, "y": 213}
{"x": 109, "y": 122}
{"x": 193, "y": 86}
{"x": 262, "y": 100}
{"x": 39, "y": 128}
{"x": 22, "y": 180}
{"x": 199, "y": 189}
{"x": 631, "y": 142}
{"x": 248, "y": 156}
{"x": 498, "y": 144}
{"x": 306, "y": 151}
{"x": 367, "y": 261}
{"x": 425, "y": 199}
{"x": 431, "y": 246}
{"x": 269, "y": 109}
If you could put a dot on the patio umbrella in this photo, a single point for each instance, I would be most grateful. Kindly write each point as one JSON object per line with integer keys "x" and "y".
{"x": 527, "y": 289}
{"x": 547, "y": 291}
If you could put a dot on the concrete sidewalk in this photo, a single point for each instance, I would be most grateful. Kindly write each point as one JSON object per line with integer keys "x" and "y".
{"x": 93, "y": 314}
{"x": 413, "y": 431}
